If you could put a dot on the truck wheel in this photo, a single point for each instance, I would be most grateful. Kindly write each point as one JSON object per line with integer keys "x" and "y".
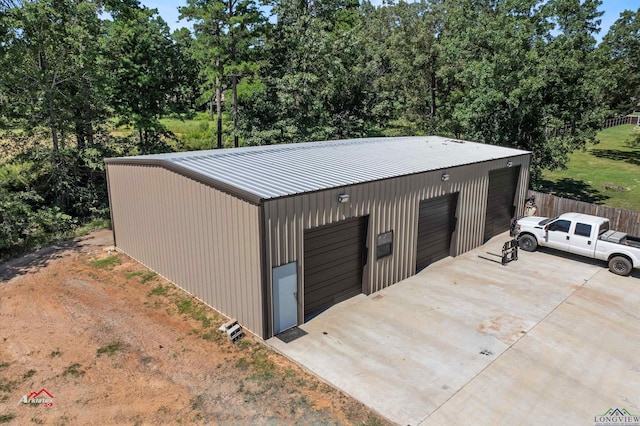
{"x": 527, "y": 243}
{"x": 620, "y": 265}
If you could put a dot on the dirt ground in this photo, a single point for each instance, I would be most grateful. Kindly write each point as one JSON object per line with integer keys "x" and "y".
{"x": 114, "y": 344}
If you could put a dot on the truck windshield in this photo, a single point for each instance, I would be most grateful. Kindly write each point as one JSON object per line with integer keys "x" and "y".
{"x": 545, "y": 221}
{"x": 604, "y": 227}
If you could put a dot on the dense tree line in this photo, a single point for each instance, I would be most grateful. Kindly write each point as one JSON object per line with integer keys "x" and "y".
{"x": 520, "y": 73}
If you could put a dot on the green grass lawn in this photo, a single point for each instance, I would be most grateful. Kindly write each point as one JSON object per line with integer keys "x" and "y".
{"x": 185, "y": 126}
{"x": 606, "y": 173}
{"x": 199, "y": 132}
{"x": 196, "y": 133}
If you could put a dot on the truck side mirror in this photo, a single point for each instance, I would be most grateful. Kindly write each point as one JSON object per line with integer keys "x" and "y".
{"x": 546, "y": 228}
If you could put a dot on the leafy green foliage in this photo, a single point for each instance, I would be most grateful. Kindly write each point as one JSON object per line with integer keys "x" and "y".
{"x": 621, "y": 48}
{"x": 143, "y": 60}
{"x": 513, "y": 82}
{"x": 314, "y": 86}
{"x": 66, "y": 71}
{"x": 634, "y": 140}
{"x": 25, "y": 223}
{"x": 403, "y": 59}
{"x": 50, "y": 79}
{"x": 519, "y": 73}
{"x": 226, "y": 33}
{"x": 43, "y": 201}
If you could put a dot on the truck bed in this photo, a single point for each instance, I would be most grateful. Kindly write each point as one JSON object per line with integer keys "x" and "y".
{"x": 633, "y": 241}
{"x": 617, "y": 237}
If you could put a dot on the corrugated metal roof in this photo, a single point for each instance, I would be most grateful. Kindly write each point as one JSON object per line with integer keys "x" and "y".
{"x": 282, "y": 170}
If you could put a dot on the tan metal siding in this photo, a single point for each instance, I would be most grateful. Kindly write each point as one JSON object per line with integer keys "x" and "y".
{"x": 391, "y": 204}
{"x": 523, "y": 185}
{"x": 204, "y": 240}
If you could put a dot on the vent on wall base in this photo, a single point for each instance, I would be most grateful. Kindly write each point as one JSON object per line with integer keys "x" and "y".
{"x": 233, "y": 330}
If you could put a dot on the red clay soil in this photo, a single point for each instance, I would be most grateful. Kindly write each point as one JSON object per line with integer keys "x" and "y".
{"x": 114, "y": 344}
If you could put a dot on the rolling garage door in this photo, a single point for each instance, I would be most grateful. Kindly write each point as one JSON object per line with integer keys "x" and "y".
{"x": 334, "y": 256}
{"x": 500, "y": 209}
{"x": 436, "y": 223}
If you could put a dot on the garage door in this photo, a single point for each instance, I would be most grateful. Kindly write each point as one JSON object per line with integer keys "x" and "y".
{"x": 436, "y": 223}
{"x": 502, "y": 191}
{"x": 333, "y": 263}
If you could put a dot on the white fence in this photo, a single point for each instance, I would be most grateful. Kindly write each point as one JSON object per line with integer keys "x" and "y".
{"x": 629, "y": 119}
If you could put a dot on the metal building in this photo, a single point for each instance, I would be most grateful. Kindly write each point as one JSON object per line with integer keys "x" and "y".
{"x": 272, "y": 235}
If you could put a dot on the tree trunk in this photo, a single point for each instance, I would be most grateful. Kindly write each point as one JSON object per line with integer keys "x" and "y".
{"x": 87, "y": 126}
{"x": 80, "y": 131}
{"x": 433, "y": 94}
{"x": 218, "y": 91}
{"x": 79, "y": 139}
{"x": 219, "y": 111}
{"x": 234, "y": 77}
{"x": 42, "y": 62}
{"x": 235, "y": 111}
{"x": 90, "y": 139}
{"x": 54, "y": 127}
{"x": 434, "y": 83}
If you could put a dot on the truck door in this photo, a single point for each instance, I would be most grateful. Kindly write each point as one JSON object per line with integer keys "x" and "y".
{"x": 580, "y": 241}
{"x": 557, "y": 234}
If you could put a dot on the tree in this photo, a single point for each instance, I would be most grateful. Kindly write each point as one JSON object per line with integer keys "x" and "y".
{"x": 405, "y": 52}
{"x": 208, "y": 49}
{"x": 225, "y": 34}
{"x": 245, "y": 27}
{"x": 48, "y": 54}
{"x": 53, "y": 86}
{"x": 521, "y": 73}
{"x": 187, "y": 92}
{"x": 315, "y": 85}
{"x": 144, "y": 63}
{"x": 621, "y": 47}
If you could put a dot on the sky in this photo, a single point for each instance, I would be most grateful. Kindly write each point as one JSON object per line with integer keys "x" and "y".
{"x": 168, "y": 9}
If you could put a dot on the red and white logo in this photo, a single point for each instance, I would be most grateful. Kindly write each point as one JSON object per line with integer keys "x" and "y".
{"x": 41, "y": 397}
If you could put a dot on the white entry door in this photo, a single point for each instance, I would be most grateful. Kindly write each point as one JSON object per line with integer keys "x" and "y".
{"x": 285, "y": 297}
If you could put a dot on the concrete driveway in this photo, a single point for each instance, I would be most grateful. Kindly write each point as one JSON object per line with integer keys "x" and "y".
{"x": 545, "y": 340}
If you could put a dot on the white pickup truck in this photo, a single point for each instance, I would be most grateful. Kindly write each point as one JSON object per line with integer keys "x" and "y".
{"x": 581, "y": 234}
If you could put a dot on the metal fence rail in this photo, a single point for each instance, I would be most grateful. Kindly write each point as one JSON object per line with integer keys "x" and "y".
{"x": 621, "y": 219}
{"x": 629, "y": 119}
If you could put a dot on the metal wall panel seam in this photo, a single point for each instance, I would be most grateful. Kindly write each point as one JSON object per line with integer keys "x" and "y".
{"x": 231, "y": 251}
{"x": 203, "y": 228}
{"x": 212, "y": 259}
{"x": 225, "y": 249}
